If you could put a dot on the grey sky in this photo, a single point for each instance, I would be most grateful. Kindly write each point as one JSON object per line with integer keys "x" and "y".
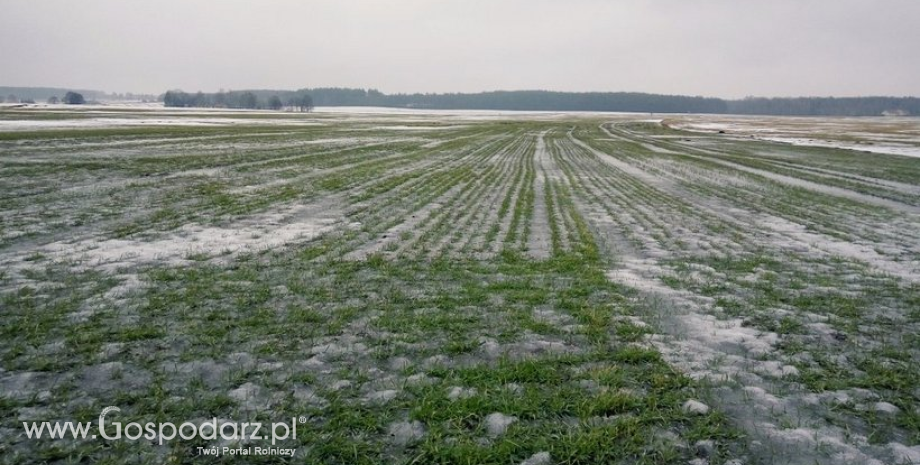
{"x": 725, "y": 48}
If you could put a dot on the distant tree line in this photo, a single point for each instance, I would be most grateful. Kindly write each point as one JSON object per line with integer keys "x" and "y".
{"x": 826, "y": 106}
{"x": 297, "y": 101}
{"x": 521, "y": 100}
{"x": 43, "y": 94}
{"x": 621, "y": 101}
{"x": 13, "y": 98}
{"x": 70, "y": 98}
{"x": 560, "y": 101}
{"x": 305, "y": 99}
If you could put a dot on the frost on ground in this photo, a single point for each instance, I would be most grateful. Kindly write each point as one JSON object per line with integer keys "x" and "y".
{"x": 883, "y": 135}
{"x": 497, "y": 423}
{"x": 723, "y": 319}
{"x": 261, "y": 232}
{"x": 458, "y": 286}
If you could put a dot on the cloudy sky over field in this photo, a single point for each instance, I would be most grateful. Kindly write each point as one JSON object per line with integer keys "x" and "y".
{"x": 723, "y": 48}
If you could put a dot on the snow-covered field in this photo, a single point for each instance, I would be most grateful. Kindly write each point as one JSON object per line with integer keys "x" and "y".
{"x": 891, "y": 135}
{"x": 461, "y": 286}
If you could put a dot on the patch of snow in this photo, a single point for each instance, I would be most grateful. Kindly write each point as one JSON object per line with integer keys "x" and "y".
{"x": 540, "y": 458}
{"x": 885, "y": 407}
{"x": 381, "y": 397}
{"x": 497, "y": 423}
{"x": 695, "y": 407}
{"x": 457, "y": 392}
{"x": 250, "y": 397}
{"x": 260, "y": 232}
{"x": 888, "y": 149}
{"x": 904, "y": 455}
{"x": 406, "y": 432}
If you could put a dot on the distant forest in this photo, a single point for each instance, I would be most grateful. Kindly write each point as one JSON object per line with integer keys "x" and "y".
{"x": 245, "y": 99}
{"x": 562, "y": 101}
{"x": 527, "y": 100}
{"x": 43, "y": 94}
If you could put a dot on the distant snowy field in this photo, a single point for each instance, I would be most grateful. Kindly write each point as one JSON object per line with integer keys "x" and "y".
{"x": 891, "y": 135}
{"x": 888, "y": 135}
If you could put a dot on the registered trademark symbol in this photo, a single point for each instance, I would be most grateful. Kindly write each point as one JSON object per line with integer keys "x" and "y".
{"x": 302, "y": 420}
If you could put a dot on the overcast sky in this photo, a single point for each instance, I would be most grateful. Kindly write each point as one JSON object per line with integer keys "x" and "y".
{"x": 723, "y": 48}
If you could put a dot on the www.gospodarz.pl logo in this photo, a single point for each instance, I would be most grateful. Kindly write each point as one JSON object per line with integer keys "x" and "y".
{"x": 164, "y": 432}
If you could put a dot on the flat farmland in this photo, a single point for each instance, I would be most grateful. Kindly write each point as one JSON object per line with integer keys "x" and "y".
{"x": 463, "y": 287}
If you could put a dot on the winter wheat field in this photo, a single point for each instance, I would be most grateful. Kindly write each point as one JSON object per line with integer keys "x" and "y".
{"x": 462, "y": 287}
